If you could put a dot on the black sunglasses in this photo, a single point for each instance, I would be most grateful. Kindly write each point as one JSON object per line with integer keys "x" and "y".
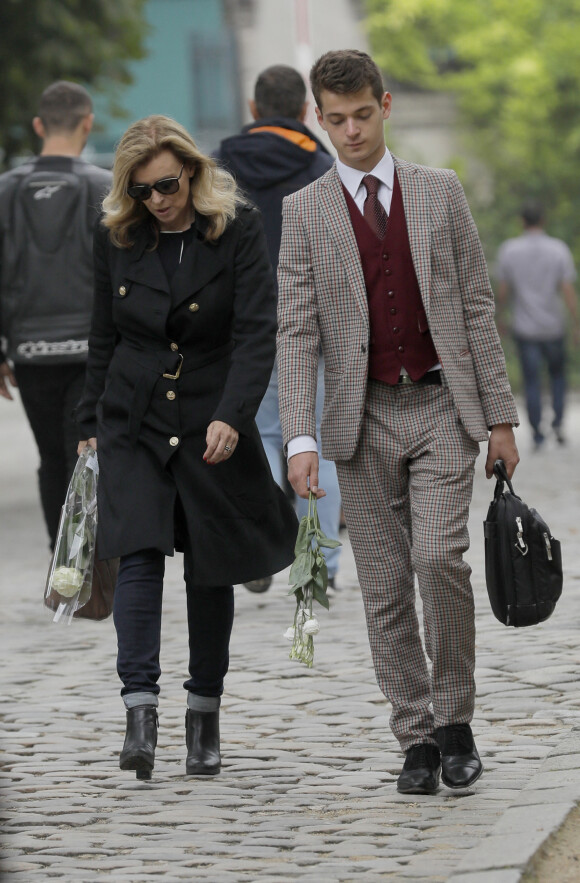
{"x": 166, "y": 186}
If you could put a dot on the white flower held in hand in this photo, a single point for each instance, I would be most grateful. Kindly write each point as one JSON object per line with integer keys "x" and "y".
{"x": 309, "y": 581}
{"x": 311, "y": 626}
{"x": 289, "y": 633}
{"x": 67, "y": 581}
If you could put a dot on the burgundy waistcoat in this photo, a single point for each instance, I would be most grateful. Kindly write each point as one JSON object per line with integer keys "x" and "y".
{"x": 399, "y": 333}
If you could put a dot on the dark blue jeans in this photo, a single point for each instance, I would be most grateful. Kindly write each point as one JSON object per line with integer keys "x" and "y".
{"x": 137, "y": 617}
{"x": 533, "y": 354}
{"x": 49, "y": 393}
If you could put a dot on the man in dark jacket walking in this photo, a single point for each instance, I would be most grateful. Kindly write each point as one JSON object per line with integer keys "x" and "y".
{"x": 48, "y": 208}
{"x": 271, "y": 158}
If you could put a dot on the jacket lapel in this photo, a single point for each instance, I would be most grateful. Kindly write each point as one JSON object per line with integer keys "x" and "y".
{"x": 201, "y": 262}
{"x": 418, "y": 216}
{"x": 339, "y": 227}
{"x": 144, "y": 265}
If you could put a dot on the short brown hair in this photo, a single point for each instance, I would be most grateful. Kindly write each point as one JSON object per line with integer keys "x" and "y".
{"x": 343, "y": 71}
{"x": 280, "y": 91}
{"x": 63, "y": 105}
{"x": 532, "y": 213}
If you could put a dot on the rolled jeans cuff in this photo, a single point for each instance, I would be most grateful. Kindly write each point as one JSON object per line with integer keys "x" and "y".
{"x": 202, "y": 703}
{"x": 133, "y": 699}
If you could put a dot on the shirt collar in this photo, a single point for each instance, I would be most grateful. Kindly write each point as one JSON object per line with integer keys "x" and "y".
{"x": 352, "y": 178}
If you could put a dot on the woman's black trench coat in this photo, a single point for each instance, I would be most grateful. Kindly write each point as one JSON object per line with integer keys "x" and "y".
{"x": 217, "y": 321}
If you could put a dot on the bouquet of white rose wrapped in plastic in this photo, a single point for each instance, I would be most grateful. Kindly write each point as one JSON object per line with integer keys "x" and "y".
{"x": 70, "y": 576}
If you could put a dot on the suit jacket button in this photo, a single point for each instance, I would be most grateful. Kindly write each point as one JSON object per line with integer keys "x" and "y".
{"x": 170, "y": 395}
{"x": 174, "y": 347}
{"x": 122, "y": 291}
{"x": 173, "y": 441}
{"x": 194, "y": 308}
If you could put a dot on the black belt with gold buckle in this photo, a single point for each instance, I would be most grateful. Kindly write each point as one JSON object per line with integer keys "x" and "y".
{"x": 431, "y": 377}
{"x": 178, "y": 372}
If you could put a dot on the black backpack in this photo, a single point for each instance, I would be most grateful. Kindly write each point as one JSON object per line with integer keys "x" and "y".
{"x": 47, "y": 217}
{"x": 523, "y": 561}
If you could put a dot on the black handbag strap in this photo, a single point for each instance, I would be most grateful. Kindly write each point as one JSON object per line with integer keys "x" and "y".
{"x": 500, "y": 473}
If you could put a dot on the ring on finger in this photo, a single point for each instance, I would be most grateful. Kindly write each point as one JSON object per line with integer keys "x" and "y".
{"x": 227, "y": 449}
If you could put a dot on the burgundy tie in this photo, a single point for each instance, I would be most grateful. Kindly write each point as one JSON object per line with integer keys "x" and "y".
{"x": 374, "y": 213}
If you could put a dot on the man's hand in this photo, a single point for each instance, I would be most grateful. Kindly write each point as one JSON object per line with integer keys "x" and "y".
{"x": 502, "y": 446}
{"x": 6, "y": 374}
{"x": 303, "y": 474}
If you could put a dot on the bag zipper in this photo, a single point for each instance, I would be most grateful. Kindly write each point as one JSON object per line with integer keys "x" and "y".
{"x": 520, "y": 545}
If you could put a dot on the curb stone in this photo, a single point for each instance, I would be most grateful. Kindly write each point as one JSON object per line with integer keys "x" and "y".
{"x": 538, "y": 812}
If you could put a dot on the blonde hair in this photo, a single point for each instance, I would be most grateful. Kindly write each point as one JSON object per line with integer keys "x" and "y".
{"x": 214, "y": 192}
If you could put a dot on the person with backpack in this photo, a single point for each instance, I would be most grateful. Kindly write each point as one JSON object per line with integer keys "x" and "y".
{"x": 48, "y": 208}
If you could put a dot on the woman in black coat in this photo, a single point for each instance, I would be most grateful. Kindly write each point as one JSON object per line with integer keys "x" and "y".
{"x": 180, "y": 353}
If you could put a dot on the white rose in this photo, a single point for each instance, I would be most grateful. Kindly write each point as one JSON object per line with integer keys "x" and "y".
{"x": 289, "y": 633}
{"x": 67, "y": 581}
{"x": 311, "y": 627}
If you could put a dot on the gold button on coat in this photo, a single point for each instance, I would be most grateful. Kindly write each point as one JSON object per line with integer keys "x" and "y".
{"x": 194, "y": 308}
{"x": 173, "y": 441}
{"x": 170, "y": 395}
{"x": 174, "y": 347}
{"x": 122, "y": 291}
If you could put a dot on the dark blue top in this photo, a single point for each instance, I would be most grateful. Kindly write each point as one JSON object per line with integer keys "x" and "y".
{"x": 269, "y": 166}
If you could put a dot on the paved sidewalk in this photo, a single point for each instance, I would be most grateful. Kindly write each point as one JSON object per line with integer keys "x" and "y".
{"x": 308, "y": 786}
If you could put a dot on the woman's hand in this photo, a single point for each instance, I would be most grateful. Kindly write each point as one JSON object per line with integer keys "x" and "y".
{"x": 221, "y": 442}
{"x": 6, "y": 374}
{"x": 92, "y": 443}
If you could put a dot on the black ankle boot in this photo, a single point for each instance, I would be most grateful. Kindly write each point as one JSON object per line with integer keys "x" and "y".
{"x": 202, "y": 737}
{"x": 140, "y": 740}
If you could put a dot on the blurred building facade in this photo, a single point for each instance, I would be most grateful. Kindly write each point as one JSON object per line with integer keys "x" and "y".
{"x": 204, "y": 57}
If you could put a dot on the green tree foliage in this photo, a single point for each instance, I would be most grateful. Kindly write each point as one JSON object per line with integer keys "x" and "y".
{"x": 514, "y": 67}
{"x": 86, "y": 41}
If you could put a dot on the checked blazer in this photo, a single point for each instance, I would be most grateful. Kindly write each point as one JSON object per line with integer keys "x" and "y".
{"x": 323, "y": 302}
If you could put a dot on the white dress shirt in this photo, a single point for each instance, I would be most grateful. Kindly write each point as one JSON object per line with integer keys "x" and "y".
{"x": 352, "y": 180}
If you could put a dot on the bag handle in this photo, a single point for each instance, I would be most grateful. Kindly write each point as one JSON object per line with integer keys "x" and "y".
{"x": 500, "y": 472}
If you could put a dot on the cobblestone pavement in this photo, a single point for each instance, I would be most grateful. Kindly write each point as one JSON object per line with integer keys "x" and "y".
{"x": 308, "y": 785}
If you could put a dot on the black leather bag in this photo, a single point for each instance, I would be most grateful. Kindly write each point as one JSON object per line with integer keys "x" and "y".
{"x": 523, "y": 561}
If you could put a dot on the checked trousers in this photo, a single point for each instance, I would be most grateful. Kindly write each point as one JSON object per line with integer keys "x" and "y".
{"x": 406, "y": 494}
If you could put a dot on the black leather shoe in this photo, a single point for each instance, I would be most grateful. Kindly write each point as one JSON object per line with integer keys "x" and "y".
{"x": 420, "y": 773}
{"x": 460, "y": 762}
{"x": 140, "y": 741}
{"x": 202, "y": 737}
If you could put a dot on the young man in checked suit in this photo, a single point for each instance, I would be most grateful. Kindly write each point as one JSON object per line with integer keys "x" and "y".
{"x": 387, "y": 274}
